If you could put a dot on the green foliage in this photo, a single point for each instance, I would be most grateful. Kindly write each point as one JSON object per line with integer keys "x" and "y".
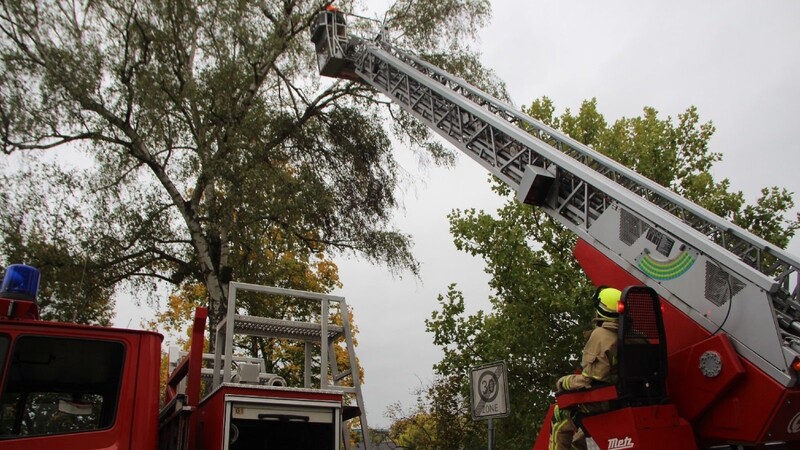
{"x": 538, "y": 313}
{"x": 540, "y": 307}
{"x": 420, "y": 24}
{"x": 208, "y": 148}
{"x": 442, "y": 425}
{"x": 765, "y": 218}
{"x": 415, "y": 432}
{"x": 72, "y": 289}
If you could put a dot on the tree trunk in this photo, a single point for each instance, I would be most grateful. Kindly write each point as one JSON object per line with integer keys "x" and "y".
{"x": 217, "y": 305}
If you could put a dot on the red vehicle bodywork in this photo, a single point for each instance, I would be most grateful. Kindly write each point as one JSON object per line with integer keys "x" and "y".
{"x": 135, "y": 425}
{"x": 721, "y": 409}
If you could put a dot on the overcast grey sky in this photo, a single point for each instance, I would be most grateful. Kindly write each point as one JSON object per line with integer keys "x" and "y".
{"x": 737, "y": 61}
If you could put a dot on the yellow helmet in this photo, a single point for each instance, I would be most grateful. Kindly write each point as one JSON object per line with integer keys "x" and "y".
{"x": 606, "y": 301}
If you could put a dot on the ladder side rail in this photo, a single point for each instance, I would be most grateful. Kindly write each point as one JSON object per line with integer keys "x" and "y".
{"x": 458, "y": 134}
{"x": 722, "y": 231}
{"x": 551, "y": 158}
{"x": 227, "y": 373}
{"x": 307, "y": 350}
{"x": 324, "y": 362}
{"x": 354, "y": 372}
{"x": 216, "y": 377}
{"x": 607, "y": 166}
{"x": 281, "y": 291}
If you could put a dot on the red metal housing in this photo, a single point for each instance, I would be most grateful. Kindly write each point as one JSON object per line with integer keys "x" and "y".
{"x": 134, "y": 422}
{"x": 744, "y": 405}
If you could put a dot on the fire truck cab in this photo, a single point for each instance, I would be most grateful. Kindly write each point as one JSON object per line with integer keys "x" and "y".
{"x": 67, "y": 386}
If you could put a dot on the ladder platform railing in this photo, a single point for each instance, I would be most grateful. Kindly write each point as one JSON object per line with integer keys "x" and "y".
{"x": 323, "y": 335}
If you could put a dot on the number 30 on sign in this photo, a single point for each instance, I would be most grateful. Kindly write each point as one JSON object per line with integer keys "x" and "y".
{"x": 489, "y": 388}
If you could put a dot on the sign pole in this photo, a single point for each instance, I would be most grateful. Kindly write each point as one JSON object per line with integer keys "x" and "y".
{"x": 491, "y": 434}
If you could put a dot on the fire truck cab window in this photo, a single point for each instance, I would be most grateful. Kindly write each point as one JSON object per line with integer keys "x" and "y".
{"x": 60, "y": 385}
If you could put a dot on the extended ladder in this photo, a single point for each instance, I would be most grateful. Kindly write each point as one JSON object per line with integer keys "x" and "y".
{"x": 749, "y": 288}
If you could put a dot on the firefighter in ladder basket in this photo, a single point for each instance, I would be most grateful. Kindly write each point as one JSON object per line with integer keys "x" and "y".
{"x": 598, "y": 366}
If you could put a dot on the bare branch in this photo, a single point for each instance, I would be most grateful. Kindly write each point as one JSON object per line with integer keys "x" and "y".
{"x": 9, "y": 145}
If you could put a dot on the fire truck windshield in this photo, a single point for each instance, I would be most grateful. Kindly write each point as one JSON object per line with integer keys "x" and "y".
{"x": 58, "y": 385}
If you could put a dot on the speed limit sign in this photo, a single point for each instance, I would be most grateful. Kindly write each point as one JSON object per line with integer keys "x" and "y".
{"x": 489, "y": 387}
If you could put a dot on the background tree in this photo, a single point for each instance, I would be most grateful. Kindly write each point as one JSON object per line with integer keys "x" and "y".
{"x": 541, "y": 304}
{"x": 71, "y": 290}
{"x": 199, "y": 132}
{"x": 413, "y": 428}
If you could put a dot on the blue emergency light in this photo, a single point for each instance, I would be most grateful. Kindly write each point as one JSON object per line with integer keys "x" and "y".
{"x": 21, "y": 281}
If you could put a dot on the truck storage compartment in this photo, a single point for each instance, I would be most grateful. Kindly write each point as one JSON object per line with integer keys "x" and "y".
{"x": 284, "y": 425}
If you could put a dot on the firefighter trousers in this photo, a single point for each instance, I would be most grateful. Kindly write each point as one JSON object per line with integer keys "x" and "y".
{"x": 564, "y": 434}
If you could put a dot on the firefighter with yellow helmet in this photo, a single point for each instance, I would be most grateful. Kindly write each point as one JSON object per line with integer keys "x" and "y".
{"x": 598, "y": 365}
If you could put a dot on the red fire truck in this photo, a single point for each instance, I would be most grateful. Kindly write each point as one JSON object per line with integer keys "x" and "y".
{"x": 79, "y": 387}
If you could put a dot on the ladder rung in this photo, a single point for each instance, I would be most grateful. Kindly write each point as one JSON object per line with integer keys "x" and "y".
{"x": 341, "y": 375}
{"x": 345, "y": 389}
{"x": 260, "y": 326}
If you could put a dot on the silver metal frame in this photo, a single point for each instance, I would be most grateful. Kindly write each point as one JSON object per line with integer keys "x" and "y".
{"x": 325, "y": 335}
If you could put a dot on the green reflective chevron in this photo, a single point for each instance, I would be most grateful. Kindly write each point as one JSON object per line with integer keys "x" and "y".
{"x": 666, "y": 270}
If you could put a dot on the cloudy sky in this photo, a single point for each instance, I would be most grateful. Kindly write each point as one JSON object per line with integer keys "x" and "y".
{"x": 738, "y": 62}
